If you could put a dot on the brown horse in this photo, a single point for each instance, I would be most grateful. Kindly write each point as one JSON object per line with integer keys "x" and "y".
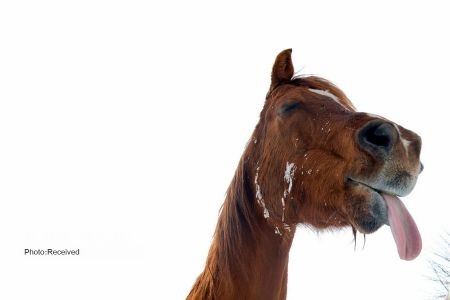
{"x": 312, "y": 159}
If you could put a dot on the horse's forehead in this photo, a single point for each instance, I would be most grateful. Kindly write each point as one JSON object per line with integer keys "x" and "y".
{"x": 326, "y": 94}
{"x": 329, "y": 95}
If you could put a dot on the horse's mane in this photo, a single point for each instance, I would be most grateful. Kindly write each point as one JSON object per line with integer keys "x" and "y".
{"x": 236, "y": 223}
{"x": 235, "y": 226}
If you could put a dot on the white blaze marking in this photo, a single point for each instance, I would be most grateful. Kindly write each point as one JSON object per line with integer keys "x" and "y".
{"x": 404, "y": 141}
{"x": 328, "y": 94}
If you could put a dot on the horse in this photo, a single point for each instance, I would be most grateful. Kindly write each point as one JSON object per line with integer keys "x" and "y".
{"x": 312, "y": 159}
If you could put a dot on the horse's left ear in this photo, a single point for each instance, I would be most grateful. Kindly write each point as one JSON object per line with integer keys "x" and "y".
{"x": 282, "y": 70}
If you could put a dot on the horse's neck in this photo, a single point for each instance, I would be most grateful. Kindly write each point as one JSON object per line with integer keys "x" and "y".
{"x": 247, "y": 259}
{"x": 264, "y": 270}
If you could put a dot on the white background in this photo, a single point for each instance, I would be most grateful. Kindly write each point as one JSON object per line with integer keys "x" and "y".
{"x": 122, "y": 122}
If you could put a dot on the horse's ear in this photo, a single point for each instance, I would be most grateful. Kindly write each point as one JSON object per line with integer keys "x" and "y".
{"x": 282, "y": 70}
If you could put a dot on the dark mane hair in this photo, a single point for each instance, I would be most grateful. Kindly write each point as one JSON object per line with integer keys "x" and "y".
{"x": 236, "y": 224}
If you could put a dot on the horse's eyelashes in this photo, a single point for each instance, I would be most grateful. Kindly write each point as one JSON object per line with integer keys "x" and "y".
{"x": 289, "y": 107}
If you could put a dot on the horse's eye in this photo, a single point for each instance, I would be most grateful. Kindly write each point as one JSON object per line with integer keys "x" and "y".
{"x": 288, "y": 107}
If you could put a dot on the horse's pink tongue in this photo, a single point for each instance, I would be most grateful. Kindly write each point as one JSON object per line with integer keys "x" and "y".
{"x": 403, "y": 227}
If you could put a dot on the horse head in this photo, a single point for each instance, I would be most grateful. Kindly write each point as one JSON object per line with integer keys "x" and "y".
{"x": 315, "y": 160}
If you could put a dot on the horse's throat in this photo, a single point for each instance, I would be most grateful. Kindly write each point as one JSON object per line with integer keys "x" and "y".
{"x": 263, "y": 274}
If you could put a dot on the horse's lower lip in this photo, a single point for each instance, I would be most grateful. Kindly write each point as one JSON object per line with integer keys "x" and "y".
{"x": 379, "y": 197}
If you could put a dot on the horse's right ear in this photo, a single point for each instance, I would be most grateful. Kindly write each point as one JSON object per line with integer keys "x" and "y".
{"x": 282, "y": 70}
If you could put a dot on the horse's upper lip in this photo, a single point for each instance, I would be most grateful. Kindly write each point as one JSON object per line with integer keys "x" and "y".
{"x": 371, "y": 187}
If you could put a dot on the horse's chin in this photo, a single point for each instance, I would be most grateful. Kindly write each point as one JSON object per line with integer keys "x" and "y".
{"x": 368, "y": 209}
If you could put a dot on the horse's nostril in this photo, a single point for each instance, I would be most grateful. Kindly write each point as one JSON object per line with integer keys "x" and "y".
{"x": 377, "y": 136}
